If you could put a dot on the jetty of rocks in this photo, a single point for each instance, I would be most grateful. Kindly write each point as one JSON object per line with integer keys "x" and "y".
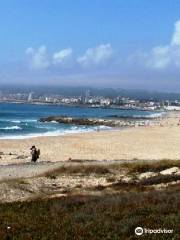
{"x": 96, "y": 121}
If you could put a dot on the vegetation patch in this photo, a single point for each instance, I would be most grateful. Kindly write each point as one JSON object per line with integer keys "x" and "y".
{"x": 100, "y": 212}
{"x": 155, "y": 166}
{"x": 84, "y": 170}
{"x": 113, "y": 169}
{"x": 160, "y": 179}
{"x": 90, "y": 217}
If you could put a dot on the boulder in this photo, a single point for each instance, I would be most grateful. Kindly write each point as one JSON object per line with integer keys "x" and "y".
{"x": 146, "y": 175}
{"x": 169, "y": 171}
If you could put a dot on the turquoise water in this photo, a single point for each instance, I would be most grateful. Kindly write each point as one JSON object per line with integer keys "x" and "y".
{"x": 21, "y": 120}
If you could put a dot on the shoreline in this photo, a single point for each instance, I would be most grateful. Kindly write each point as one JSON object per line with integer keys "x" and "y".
{"x": 54, "y": 134}
{"x": 155, "y": 142}
{"x": 127, "y": 122}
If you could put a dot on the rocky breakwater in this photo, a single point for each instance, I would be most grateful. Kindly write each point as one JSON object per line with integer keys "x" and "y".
{"x": 96, "y": 121}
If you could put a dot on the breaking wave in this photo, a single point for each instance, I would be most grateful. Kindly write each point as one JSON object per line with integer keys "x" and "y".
{"x": 11, "y": 128}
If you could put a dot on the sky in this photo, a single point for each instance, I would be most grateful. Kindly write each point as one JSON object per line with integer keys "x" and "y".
{"x": 132, "y": 44}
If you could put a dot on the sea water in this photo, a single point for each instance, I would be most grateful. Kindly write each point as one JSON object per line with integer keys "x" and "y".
{"x": 22, "y": 120}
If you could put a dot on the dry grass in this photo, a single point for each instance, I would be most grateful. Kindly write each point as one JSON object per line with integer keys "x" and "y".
{"x": 83, "y": 170}
{"x": 103, "y": 217}
{"x": 113, "y": 169}
{"x": 91, "y": 217}
{"x": 155, "y": 166}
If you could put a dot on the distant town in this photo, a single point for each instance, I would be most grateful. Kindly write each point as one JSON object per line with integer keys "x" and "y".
{"x": 87, "y": 99}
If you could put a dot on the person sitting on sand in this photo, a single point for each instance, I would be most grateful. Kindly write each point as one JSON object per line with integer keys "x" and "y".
{"x": 34, "y": 153}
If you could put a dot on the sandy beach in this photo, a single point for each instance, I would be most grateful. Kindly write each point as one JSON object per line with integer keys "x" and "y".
{"x": 161, "y": 141}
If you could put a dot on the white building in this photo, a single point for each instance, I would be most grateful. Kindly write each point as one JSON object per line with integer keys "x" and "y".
{"x": 172, "y": 108}
{"x": 30, "y": 97}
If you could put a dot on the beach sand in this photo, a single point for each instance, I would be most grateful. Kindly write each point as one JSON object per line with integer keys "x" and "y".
{"x": 144, "y": 143}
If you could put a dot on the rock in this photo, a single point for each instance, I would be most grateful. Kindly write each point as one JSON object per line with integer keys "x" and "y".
{"x": 130, "y": 122}
{"x": 126, "y": 179}
{"x": 21, "y": 157}
{"x": 88, "y": 121}
{"x": 178, "y": 172}
{"x": 147, "y": 175}
{"x": 169, "y": 171}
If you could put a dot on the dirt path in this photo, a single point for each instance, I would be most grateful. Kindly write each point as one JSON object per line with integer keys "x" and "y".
{"x": 27, "y": 170}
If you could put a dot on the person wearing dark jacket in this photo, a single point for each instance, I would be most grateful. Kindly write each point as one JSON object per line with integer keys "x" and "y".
{"x": 34, "y": 154}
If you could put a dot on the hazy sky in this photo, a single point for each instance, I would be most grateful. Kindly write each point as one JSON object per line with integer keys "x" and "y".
{"x": 113, "y": 43}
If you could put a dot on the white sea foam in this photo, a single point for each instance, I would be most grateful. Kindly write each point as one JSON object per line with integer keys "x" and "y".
{"x": 59, "y": 132}
{"x": 102, "y": 127}
{"x": 16, "y": 121}
{"x": 29, "y": 120}
{"x": 19, "y": 120}
{"x": 11, "y": 128}
{"x": 152, "y": 115}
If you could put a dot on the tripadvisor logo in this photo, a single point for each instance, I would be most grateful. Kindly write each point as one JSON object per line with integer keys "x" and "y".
{"x": 139, "y": 231}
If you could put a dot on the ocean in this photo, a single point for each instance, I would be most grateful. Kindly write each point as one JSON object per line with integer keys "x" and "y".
{"x": 21, "y": 120}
